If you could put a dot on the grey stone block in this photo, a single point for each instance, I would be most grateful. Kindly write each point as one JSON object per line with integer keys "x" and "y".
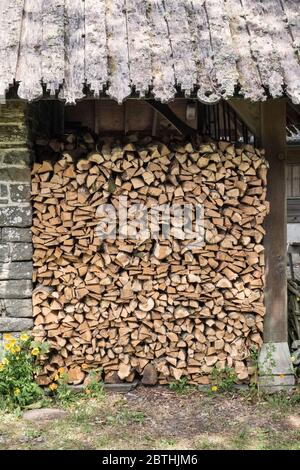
{"x": 275, "y": 367}
{"x": 21, "y": 251}
{"x": 16, "y": 270}
{"x": 13, "y": 111}
{"x": 15, "y": 216}
{"x": 44, "y": 414}
{"x": 4, "y": 202}
{"x": 15, "y": 324}
{"x": 3, "y": 190}
{"x": 11, "y": 234}
{"x": 13, "y": 173}
{"x": 13, "y": 134}
{"x": 4, "y": 252}
{"x": 277, "y": 381}
{"x": 20, "y": 192}
{"x": 18, "y": 157}
{"x": 18, "y": 307}
{"x": 123, "y": 387}
{"x": 16, "y": 289}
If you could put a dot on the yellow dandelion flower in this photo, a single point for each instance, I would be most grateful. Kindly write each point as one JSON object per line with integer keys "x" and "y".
{"x": 5, "y": 361}
{"x": 10, "y": 345}
{"x": 61, "y": 371}
{"x": 214, "y": 388}
{"x": 87, "y": 391}
{"x": 24, "y": 337}
{"x": 53, "y": 387}
{"x": 35, "y": 352}
{"x": 1, "y": 367}
{"x": 7, "y": 337}
{"x": 281, "y": 376}
{"x": 17, "y": 392}
{"x": 16, "y": 349}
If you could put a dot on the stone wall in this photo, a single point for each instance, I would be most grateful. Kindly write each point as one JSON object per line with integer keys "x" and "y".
{"x": 15, "y": 220}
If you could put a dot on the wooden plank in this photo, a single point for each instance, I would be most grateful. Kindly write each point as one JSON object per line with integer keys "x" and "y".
{"x": 117, "y": 43}
{"x": 110, "y": 116}
{"x": 200, "y": 34}
{"x": 53, "y": 46}
{"x": 11, "y": 14}
{"x": 182, "y": 45}
{"x": 139, "y": 116}
{"x": 162, "y": 60}
{"x": 249, "y": 77}
{"x": 138, "y": 30}
{"x": 74, "y": 51}
{"x": 273, "y": 139}
{"x": 293, "y": 153}
{"x": 293, "y": 210}
{"x": 289, "y": 182}
{"x": 263, "y": 48}
{"x": 295, "y": 177}
{"x": 224, "y": 58}
{"x": 81, "y": 113}
{"x": 29, "y": 70}
{"x": 96, "y": 66}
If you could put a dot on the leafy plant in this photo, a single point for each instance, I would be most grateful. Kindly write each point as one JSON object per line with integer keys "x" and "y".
{"x": 95, "y": 387}
{"x": 60, "y": 389}
{"x": 63, "y": 393}
{"x": 254, "y": 354}
{"x": 181, "y": 386}
{"x": 223, "y": 379}
{"x": 18, "y": 367}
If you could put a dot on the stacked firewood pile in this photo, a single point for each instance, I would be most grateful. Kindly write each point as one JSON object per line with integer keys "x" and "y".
{"x": 157, "y": 308}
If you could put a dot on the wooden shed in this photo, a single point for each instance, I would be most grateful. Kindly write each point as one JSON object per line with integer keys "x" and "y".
{"x": 126, "y": 62}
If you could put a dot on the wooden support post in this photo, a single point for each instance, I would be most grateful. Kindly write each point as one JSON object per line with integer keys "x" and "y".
{"x": 275, "y": 365}
{"x": 273, "y": 140}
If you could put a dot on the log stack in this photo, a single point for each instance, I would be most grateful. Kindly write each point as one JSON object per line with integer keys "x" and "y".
{"x": 127, "y": 305}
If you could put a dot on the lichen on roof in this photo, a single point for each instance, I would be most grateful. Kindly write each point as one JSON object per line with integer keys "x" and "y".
{"x": 207, "y": 48}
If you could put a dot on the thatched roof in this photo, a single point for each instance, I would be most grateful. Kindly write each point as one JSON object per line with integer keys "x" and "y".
{"x": 212, "y": 48}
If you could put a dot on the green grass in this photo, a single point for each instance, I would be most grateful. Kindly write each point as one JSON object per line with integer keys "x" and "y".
{"x": 126, "y": 417}
{"x": 181, "y": 387}
{"x": 162, "y": 419}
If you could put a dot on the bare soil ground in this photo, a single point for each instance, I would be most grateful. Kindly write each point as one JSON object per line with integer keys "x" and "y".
{"x": 158, "y": 418}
